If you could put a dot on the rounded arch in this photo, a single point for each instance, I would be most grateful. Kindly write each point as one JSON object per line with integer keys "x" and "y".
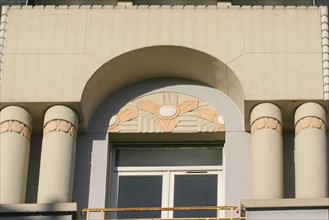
{"x": 220, "y": 101}
{"x": 159, "y": 62}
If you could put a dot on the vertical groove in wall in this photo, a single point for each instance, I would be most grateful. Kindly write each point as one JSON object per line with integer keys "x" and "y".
{"x": 3, "y": 30}
{"x": 325, "y": 51}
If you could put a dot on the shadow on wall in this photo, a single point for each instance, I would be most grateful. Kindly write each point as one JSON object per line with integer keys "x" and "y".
{"x": 288, "y": 165}
{"x": 34, "y": 168}
{"x": 51, "y": 211}
{"x": 83, "y": 170}
{"x": 328, "y": 161}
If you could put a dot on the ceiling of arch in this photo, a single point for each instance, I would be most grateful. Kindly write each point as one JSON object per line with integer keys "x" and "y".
{"x": 159, "y": 62}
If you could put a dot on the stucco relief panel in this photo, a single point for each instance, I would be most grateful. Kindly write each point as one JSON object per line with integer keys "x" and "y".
{"x": 310, "y": 122}
{"x": 17, "y": 127}
{"x": 167, "y": 112}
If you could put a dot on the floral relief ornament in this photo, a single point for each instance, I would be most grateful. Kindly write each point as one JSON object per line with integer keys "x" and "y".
{"x": 266, "y": 122}
{"x": 17, "y": 127}
{"x": 167, "y": 113}
{"x": 61, "y": 126}
{"x": 123, "y": 116}
{"x": 310, "y": 122}
{"x": 211, "y": 115}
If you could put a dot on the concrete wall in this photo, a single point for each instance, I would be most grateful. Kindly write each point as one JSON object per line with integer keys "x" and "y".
{"x": 91, "y": 184}
{"x": 51, "y": 53}
{"x": 274, "y": 52}
{"x": 318, "y": 214}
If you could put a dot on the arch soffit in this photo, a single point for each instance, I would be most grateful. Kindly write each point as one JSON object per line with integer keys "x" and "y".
{"x": 159, "y": 62}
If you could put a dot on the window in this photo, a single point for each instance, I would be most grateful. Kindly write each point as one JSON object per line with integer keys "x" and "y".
{"x": 166, "y": 175}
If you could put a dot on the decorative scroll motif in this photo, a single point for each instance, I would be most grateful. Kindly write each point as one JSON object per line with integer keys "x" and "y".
{"x": 17, "y": 127}
{"x": 266, "y": 122}
{"x": 210, "y": 115}
{"x": 310, "y": 122}
{"x": 60, "y": 125}
{"x": 123, "y": 116}
{"x": 167, "y": 112}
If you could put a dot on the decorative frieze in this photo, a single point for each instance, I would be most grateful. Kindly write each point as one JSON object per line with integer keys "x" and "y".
{"x": 310, "y": 122}
{"x": 266, "y": 123}
{"x": 123, "y": 116}
{"x": 60, "y": 126}
{"x": 167, "y": 112}
{"x": 209, "y": 114}
{"x": 17, "y": 127}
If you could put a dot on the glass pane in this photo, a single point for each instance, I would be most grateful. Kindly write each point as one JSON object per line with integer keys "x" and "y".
{"x": 195, "y": 190}
{"x": 140, "y": 191}
{"x": 169, "y": 157}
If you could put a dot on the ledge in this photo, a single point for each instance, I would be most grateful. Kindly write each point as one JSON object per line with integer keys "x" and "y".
{"x": 266, "y": 204}
{"x": 172, "y": 7}
{"x": 29, "y": 209}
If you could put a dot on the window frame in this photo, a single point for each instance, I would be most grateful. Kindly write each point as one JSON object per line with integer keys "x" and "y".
{"x": 115, "y": 172}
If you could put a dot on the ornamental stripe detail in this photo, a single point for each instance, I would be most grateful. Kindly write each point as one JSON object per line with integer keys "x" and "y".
{"x": 325, "y": 50}
{"x": 17, "y": 127}
{"x": 60, "y": 125}
{"x": 268, "y": 123}
{"x": 310, "y": 122}
{"x": 3, "y": 33}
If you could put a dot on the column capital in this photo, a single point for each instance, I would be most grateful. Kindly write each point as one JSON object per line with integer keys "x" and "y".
{"x": 310, "y": 115}
{"x": 61, "y": 119}
{"x": 266, "y": 115}
{"x": 16, "y": 119}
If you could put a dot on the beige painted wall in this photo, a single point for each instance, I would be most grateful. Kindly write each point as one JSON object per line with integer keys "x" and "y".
{"x": 51, "y": 53}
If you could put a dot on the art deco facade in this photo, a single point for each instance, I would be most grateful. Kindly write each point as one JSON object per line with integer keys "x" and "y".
{"x": 164, "y": 104}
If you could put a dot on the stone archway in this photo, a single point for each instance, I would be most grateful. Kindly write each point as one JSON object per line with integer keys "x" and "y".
{"x": 159, "y": 62}
{"x": 166, "y": 69}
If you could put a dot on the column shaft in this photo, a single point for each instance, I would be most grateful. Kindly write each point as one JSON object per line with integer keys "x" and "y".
{"x": 266, "y": 152}
{"x": 15, "y": 137}
{"x": 310, "y": 152}
{"x": 57, "y": 156}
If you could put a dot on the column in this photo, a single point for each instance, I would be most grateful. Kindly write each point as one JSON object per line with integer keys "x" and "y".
{"x": 266, "y": 152}
{"x": 57, "y": 155}
{"x": 310, "y": 151}
{"x": 15, "y": 134}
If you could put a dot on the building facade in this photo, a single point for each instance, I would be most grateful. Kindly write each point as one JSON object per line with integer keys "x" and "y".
{"x": 142, "y": 103}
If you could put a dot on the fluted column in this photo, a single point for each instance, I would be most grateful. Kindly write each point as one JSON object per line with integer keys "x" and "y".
{"x": 310, "y": 151}
{"x": 58, "y": 155}
{"x": 15, "y": 124}
{"x": 266, "y": 152}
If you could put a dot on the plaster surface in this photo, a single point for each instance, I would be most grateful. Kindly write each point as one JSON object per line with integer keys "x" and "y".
{"x": 271, "y": 52}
